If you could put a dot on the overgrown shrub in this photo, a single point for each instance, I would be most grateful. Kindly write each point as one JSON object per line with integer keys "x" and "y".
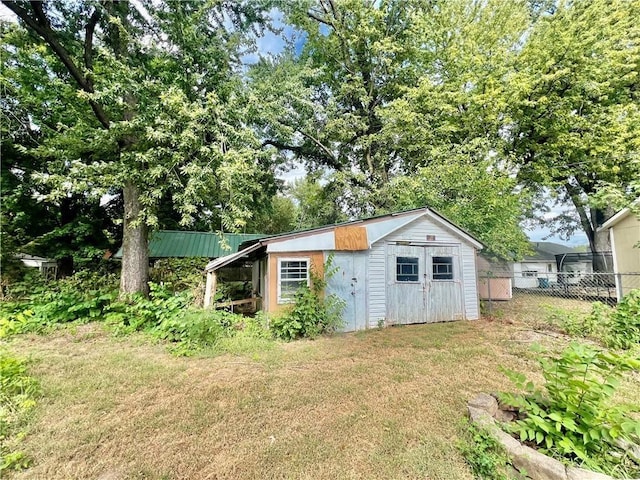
{"x": 178, "y": 274}
{"x": 78, "y": 298}
{"x": 138, "y": 313}
{"x": 570, "y": 417}
{"x": 574, "y": 323}
{"x": 198, "y": 329}
{"x": 485, "y": 456}
{"x": 312, "y": 313}
{"x": 624, "y": 322}
{"x": 18, "y": 393}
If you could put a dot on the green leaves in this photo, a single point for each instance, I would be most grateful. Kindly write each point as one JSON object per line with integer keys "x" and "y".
{"x": 571, "y": 416}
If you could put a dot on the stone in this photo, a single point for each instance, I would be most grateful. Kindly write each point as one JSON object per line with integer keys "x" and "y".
{"x": 485, "y": 402}
{"x": 511, "y": 445}
{"x": 574, "y": 473}
{"x": 514, "y": 474}
{"x": 480, "y": 417}
{"x": 504, "y": 416}
{"x": 538, "y": 466}
{"x": 632, "y": 449}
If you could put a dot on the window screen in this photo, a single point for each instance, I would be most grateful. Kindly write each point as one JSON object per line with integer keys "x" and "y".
{"x": 292, "y": 275}
{"x": 407, "y": 269}
{"x": 443, "y": 268}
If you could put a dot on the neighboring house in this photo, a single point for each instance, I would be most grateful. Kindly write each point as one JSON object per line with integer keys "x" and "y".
{"x": 495, "y": 278}
{"x": 624, "y": 233}
{"x": 408, "y": 267}
{"x": 540, "y": 269}
{"x": 48, "y": 268}
{"x": 180, "y": 244}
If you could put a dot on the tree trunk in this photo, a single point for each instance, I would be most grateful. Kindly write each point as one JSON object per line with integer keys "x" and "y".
{"x": 134, "y": 277}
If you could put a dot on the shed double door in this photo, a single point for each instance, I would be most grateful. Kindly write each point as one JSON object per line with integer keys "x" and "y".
{"x": 424, "y": 284}
{"x": 349, "y": 284}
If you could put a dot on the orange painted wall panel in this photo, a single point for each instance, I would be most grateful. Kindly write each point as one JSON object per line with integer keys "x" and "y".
{"x": 317, "y": 264}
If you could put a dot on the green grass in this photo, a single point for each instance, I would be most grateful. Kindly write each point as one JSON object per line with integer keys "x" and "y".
{"x": 379, "y": 404}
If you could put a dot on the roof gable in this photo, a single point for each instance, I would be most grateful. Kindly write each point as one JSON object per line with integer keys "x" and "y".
{"x": 322, "y": 238}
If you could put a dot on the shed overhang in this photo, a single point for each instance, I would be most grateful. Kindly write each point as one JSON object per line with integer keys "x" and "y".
{"x": 218, "y": 263}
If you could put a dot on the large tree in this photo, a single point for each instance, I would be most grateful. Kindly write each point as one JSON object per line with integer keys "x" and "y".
{"x": 159, "y": 108}
{"x": 382, "y": 92}
{"x": 573, "y": 119}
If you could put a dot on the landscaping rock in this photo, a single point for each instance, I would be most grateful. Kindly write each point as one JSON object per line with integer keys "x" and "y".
{"x": 507, "y": 408}
{"x": 503, "y": 416}
{"x": 537, "y": 465}
{"x": 485, "y": 402}
{"x": 574, "y": 473}
{"x": 632, "y": 449}
{"x": 529, "y": 462}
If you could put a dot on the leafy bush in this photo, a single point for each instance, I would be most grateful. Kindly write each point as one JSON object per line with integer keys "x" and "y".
{"x": 485, "y": 456}
{"x": 312, "y": 313}
{"x": 574, "y": 323}
{"x": 624, "y": 322}
{"x": 570, "y": 417}
{"x": 177, "y": 274}
{"x": 18, "y": 391}
{"x": 138, "y": 313}
{"x": 43, "y": 311}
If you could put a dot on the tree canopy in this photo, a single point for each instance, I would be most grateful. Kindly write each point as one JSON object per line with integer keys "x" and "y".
{"x": 129, "y": 116}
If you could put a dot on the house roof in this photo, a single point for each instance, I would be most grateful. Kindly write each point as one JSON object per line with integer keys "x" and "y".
{"x": 173, "y": 243}
{"x": 410, "y": 216}
{"x": 547, "y": 251}
{"x": 621, "y": 215}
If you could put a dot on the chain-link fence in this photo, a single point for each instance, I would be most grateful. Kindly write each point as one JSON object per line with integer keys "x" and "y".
{"x": 525, "y": 293}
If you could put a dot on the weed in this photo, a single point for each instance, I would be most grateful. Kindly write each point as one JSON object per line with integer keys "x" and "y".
{"x": 18, "y": 391}
{"x": 570, "y": 417}
{"x": 312, "y": 313}
{"x": 485, "y": 456}
{"x": 624, "y": 322}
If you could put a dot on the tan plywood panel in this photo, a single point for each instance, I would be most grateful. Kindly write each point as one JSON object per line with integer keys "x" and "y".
{"x": 351, "y": 238}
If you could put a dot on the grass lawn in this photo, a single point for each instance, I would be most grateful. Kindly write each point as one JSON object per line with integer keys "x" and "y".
{"x": 378, "y": 404}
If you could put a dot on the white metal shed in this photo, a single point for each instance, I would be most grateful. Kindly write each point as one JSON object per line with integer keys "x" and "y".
{"x": 408, "y": 267}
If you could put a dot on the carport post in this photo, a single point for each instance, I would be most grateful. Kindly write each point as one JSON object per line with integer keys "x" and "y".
{"x": 210, "y": 289}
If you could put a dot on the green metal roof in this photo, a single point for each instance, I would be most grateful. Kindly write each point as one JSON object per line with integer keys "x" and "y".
{"x": 173, "y": 243}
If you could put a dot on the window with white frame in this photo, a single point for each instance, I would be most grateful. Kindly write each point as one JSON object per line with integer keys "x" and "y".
{"x": 530, "y": 274}
{"x": 292, "y": 274}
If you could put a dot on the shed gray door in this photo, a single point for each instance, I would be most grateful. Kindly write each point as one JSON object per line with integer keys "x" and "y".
{"x": 423, "y": 284}
{"x": 444, "y": 288}
{"x": 349, "y": 284}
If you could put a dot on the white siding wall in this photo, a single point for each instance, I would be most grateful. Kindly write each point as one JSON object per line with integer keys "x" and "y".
{"x": 417, "y": 232}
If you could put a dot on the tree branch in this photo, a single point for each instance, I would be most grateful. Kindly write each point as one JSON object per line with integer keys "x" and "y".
{"x": 88, "y": 40}
{"x": 574, "y": 195}
{"x": 330, "y": 161}
{"x": 40, "y": 25}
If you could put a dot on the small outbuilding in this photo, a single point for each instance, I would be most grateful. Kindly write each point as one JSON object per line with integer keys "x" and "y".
{"x": 408, "y": 267}
{"x": 47, "y": 267}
